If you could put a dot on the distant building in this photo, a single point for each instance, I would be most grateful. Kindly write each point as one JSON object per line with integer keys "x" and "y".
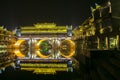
{"x": 99, "y": 31}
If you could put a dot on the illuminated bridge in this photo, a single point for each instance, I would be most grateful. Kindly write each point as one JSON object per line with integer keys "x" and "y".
{"x": 43, "y": 48}
{"x": 88, "y": 52}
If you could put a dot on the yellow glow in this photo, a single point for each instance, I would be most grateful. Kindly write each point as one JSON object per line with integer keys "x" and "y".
{"x": 45, "y": 31}
{"x": 8, "y": 64}
{"x": 17, "y": 47}
{"x": 18, "y": 53}
{"x": 45, "y": 25}
{"x": 43, "y": 28}
{"x": 18, "y": 43}
{"x": 41, "y": 55}
{"x": 72, "y": 49}
{"x": 45, "y": 70}
{"x": 44, "y": 65}
{"x": 38, "y": 48}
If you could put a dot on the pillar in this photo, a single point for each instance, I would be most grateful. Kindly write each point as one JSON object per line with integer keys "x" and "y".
{"x": 106, "y": 42}
{"x": 117, "y": 41}
{"x": 98, "y": 41}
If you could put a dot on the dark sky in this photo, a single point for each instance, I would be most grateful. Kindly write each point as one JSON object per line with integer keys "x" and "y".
{"x": 28, "y": 12}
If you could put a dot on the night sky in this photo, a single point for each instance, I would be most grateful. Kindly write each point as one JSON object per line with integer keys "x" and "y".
{"x": 28, "y": 12}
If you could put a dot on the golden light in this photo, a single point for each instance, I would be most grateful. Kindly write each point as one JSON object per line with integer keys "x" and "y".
{"x": 17, "y": 48}
{"x": 38, "y": 49}
{"x": 18, "y": 53}
{"x": 72, "y": 49}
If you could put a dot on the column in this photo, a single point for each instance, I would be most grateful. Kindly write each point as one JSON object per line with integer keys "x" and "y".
{"x": 98, "y": 41}
{"x": 106, "y": 42}
{"x": 117, "y": 41}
